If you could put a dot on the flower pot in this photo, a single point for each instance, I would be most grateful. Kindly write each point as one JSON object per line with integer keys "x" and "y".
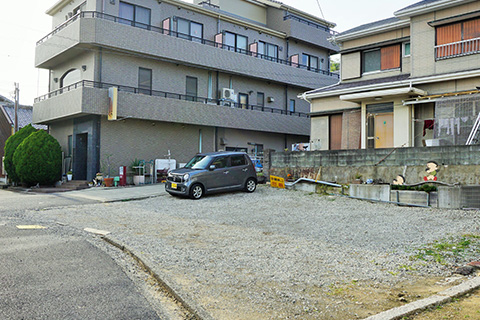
{"x": 108, "y": 182}
{"x": 138, "y": 180}
{"x": 69, "y": 176}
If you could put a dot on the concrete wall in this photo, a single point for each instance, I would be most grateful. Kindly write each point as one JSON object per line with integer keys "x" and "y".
{"x": 457, "y": 164}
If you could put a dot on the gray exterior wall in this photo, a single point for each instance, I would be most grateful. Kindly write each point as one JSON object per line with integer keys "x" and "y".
{"x": 84, "y": 101}
{"x": 84, "y": 32}
{"x": 148, "y": 140}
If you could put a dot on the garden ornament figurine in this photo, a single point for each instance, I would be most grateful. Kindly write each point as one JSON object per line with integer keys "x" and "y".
{"x": 432, "y": 170}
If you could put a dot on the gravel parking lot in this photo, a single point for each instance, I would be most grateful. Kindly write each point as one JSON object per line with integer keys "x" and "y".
{"x": 281, "y": 254}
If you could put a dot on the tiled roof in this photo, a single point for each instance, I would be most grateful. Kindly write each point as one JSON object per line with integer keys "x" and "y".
{"x": 357, "y": 84}
{"x": 24, "y": 115}
{"x": 370, "y": 25}
{"x": 418, "y": 4}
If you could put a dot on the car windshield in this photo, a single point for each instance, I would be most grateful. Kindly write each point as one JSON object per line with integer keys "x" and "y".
{"x": 198, "y": 162}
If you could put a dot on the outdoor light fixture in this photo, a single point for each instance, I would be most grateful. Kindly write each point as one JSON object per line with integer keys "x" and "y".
{"x": 84, "y": 68}
{"x": 378, "y": 98}
{"x": 55, "y": 80}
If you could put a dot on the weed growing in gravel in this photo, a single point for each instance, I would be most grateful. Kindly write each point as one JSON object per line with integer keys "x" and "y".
{"x": 444, "y": 251}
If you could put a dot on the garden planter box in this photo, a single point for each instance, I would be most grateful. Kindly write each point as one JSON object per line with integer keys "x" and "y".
{"x": 138, "y": 180}
{"x": 420, "y": 198}
{"x": 370, "y": 191}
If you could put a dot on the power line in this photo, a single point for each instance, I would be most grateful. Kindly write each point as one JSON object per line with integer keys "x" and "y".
{"x": 320, "y": 7}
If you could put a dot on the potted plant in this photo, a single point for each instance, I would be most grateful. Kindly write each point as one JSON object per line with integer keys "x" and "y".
{"x": 358, "y": 179}
{"x": 138, "y": 167}
{"x": 69, "y": 175}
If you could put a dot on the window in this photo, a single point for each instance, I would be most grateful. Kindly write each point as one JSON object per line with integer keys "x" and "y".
{"x": 189, "y": 30}
{"x": 243, "y": 100}
{"x": 191, "y": 88}
{"x": 385, "y": 58}
{"x": 134, "y": 15}
{"x": 406, "y": 49}
{"x": 144, "y": 81}
{"x": 80, "y": 8}
{"x": 220, "y": 162}
{"x": 309, "y": 61}
{"x": 291, "y": 105}
{"x": 238, "y": 161}
{"x": 70, "y": 77}
{"x": 210, "y": 86}
{"x": 267, "y": 50}
{"x": 260, "y": 99}
{"x": 453, "y": 39}
{"x": 235, "y": 42}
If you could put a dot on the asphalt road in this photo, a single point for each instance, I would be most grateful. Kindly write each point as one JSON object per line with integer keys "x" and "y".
{"x": 48, "y": 275}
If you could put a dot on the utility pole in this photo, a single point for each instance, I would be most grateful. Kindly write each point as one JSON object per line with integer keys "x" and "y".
{"x": 17, "y": 93}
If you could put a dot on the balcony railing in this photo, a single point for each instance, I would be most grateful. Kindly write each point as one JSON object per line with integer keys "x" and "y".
{"x": 310, "y": 23}
{"x": 457, "y": 49}
{"x": 99, "y": 15}
{"x": 168, "y": 95}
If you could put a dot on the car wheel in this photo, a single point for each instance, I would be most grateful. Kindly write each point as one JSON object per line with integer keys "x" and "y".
{"x": 196, "y": 191}
{"x": 250, "y": 185}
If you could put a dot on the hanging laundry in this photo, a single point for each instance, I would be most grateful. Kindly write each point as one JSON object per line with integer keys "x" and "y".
{"x": 428, "y": 125}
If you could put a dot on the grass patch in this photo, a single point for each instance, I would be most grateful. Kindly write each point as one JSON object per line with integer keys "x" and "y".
{"x": 453, "y": 248}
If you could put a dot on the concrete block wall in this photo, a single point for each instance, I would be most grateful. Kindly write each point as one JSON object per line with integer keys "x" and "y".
{"x": 458, "y": 164}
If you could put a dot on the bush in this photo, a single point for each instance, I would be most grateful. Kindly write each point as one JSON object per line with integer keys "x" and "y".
{"x": 38, "y": 159}
{"x": 11, "y": 145}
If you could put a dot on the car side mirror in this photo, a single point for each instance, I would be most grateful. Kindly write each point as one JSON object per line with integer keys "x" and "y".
{"x": 212, "y": 167}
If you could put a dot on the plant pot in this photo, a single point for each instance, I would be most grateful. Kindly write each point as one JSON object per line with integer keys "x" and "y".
{"x": 138, "y": 180}
{"x": 108, "y": 182}
{"x": 69, "y": 176}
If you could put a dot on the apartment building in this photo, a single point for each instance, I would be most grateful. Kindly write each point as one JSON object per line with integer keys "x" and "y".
{"x": 412, "y": 80}
{"x": 144, "y": 79}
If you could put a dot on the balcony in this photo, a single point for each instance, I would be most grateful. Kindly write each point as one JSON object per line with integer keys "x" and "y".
{"x": 457, "y": 49}
{"x": 307, "y": 31}
{"x": 88, "y": 97}
{"x": 93, "y": 28}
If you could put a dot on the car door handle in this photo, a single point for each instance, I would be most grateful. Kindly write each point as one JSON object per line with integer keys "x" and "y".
{"x": 226, "y": 172}
{"x": 245, "y": 170}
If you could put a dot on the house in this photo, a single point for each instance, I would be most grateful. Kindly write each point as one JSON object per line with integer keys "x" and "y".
{"x": 7, "y": 121}
{"x": 412, "y": 80}
{"x": 146, "y": 79}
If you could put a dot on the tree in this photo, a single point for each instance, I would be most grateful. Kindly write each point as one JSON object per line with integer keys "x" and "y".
{"x": 11, "y": 145}
{"x": 38, "y": 159}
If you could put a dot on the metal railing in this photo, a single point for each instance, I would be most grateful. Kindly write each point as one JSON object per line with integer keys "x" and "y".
{"x": 309, "y": 23}
{"x": 168, "y": 95}
{"x": 99, "y": 15}
{"x": 457, "y": 49}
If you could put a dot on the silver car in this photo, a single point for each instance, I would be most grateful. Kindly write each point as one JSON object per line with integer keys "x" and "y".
{"x": 213, "y": 172}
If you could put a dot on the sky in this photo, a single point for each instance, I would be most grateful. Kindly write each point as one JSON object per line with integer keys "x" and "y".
{"x": 22, "y": 25}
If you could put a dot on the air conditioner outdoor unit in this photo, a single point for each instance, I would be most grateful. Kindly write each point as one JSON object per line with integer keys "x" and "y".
{"x": 228, "y": 94}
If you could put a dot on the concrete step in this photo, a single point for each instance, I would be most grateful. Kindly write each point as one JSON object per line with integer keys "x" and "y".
{"x": 75, "y": 185}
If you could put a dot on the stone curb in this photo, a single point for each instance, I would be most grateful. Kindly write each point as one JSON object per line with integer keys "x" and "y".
{"x": 437, "y": 299}
{"x": 198, "y": 312}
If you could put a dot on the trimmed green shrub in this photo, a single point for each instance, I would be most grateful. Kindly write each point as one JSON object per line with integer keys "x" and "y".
{"x": 11, "y": 145}
{"x": 38, "y": 159}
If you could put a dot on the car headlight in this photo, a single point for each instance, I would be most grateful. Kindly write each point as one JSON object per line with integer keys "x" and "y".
{"x": 186, "y": 176}
{"x": 170, "y": 174}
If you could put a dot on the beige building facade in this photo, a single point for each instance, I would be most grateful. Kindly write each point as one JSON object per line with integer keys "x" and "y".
{"x": 412, "y": 80}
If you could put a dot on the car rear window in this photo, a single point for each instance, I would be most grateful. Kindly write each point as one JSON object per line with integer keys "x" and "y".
{"x": 238, "y": 161}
